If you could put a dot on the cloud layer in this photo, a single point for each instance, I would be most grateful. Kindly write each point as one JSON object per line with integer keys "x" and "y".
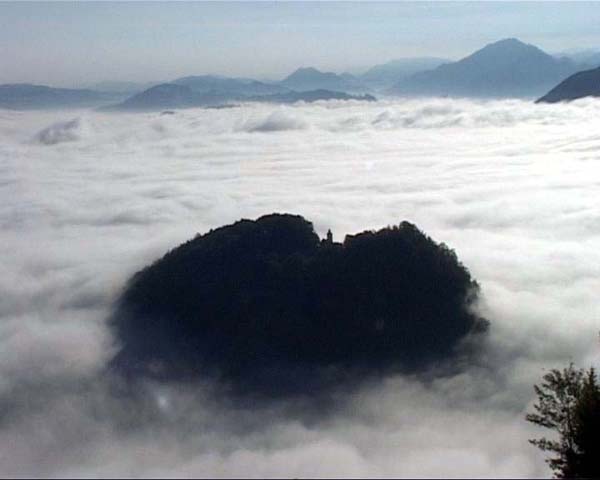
{"x": 511, "y": 186}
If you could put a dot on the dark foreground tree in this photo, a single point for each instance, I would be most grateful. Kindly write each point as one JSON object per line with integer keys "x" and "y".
{"x": 587, "y": 428}
{"x": 568, "y": 402}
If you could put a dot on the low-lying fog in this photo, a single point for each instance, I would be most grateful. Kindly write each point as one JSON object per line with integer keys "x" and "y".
{"x": 86, "y": 199}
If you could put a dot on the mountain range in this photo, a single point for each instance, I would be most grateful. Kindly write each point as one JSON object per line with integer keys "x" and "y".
{"x": 508, "y": 68}
{"x": 384, "y": 76}
{"x": 167, "y": 95}
{"x": 171, "y": 95}
{"x": 505, "y": 69}
{"x": 219, "y": 85}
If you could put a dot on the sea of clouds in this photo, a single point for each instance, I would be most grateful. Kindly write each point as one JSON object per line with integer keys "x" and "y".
{"x": 87, "y": 199}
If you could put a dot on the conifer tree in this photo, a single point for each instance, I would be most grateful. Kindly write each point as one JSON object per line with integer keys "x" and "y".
{"x": 568, "y": 402}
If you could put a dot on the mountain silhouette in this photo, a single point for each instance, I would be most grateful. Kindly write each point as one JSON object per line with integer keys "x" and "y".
{"x": 170, "y": 96}
{"x": 586, "y": 59}
{"x": 508, "y": 68}
{"x": 173, "y": 96}
{"x": 120, "y": 87}
{"x": 269, "y": 307}
{"x": 309, "y": 78}
{"x": 384, "y": 76}
{"x": 579, "y": 85}
{"x": 232, "y": 86}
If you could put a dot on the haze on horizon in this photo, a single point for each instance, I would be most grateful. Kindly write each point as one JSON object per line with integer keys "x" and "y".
{"x": 75, "y": 44}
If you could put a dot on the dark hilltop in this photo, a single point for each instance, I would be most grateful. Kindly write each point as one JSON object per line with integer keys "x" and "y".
{"x": 268, "y": 307}
{"x": 580, "y": 85}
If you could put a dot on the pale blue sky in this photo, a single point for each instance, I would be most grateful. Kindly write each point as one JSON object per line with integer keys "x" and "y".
{"x": 76, "y": 43}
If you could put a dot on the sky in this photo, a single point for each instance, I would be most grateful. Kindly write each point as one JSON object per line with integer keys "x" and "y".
{"x": 65, "y": 44}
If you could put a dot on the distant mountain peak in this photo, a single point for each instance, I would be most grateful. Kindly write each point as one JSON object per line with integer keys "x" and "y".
{"x": 310, "y": 78}
{"x": 307, "y": 70}
{"x": 508, "y": 48}
{"x": 506, "y": 68}
{"x": 512, "y": 41}
{"x": 509, "y": 43}
{"x": 307, "y": 73}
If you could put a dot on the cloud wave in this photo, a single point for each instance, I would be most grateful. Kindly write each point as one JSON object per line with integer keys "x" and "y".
{"x": 60, "y": 132}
